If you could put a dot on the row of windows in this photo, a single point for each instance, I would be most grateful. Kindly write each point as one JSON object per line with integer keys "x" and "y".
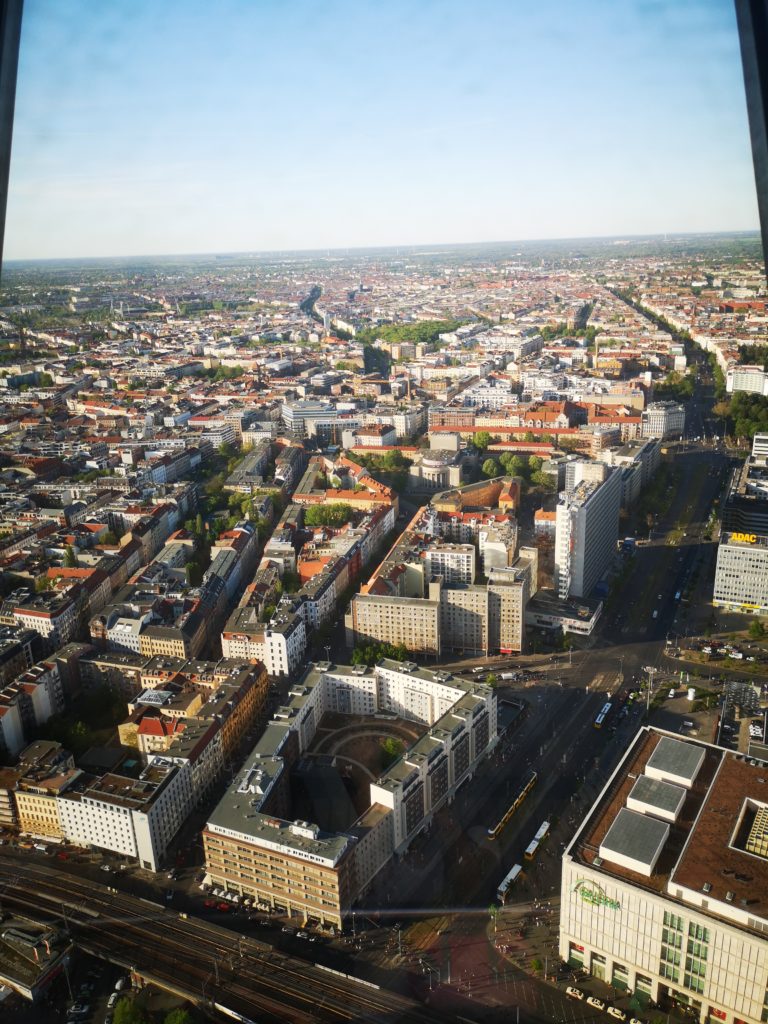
{"x": 693, "y": 983}
{"x": 697, "y": 931}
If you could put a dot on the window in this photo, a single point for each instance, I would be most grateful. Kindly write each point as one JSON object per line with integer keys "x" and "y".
{"x": 668, "y": 972}
{"x": 693, "y": 983}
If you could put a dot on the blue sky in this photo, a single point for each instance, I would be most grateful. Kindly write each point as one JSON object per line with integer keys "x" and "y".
{"x": 175, "y": 126}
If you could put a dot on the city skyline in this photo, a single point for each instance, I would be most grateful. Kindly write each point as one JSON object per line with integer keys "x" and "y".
{"x": 356, "y": 128}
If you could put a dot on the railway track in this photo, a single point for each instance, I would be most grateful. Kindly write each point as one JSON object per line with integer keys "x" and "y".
{"x": 203, "y": 961}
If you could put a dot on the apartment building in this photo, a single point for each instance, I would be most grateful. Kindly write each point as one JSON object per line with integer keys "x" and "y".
{"x": 54, "y": 616}
{"x": 137, "y": 818}
{"x": 423, "y": 594}
{"x": 253, "y": 848}
{"x": 664, "y": 889}
{"x": 586, "y": 531}
{"x": 455, "y": 563}
{"x": 279, "y": 644}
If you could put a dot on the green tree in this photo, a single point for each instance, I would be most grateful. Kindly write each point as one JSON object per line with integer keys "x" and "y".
{"x": 328, "y": 515}
{"x": 536, "y": 964}
{"x": 545, "y": 480}
{"x": 492, "y": 679}
{"x": 178, "y": 1016}
{"x": 43, "y": 583}
{"x": 481, "y": 440}
{"x": 756, "y": 629}
{"x": 127, "y": 1012}
{"x": 391, "y": 749}
{"x": 70, "y": 559}
{"x": 491, "y": 468}
{"x": 193, "y": 573}
{"x": 369, "y": 654}
{"x": 534, "y": 463}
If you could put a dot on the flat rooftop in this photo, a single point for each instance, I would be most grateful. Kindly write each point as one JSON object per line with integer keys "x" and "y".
{"x": 706, "y": 842}
{"x": 237, "y": 812}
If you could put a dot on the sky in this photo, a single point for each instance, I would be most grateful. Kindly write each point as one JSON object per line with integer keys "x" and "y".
{"x": 146, "y": 127}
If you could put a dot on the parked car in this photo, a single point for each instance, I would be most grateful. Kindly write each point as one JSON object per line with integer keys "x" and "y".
{"x": 120, "y": 984}
{"x": 616, "y": 1013}
{"x": 574, "y": 993}
{"x": 597, "y": 1003}
{"x": 112, "y": 1001}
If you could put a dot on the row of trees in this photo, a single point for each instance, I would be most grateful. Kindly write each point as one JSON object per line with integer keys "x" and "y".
{"x": 744, "y": 415}
{"x": 562, "y": 330}
{"x": 221, "y": 373}
{"x": 748, "y": 414}
{"x": 393, "y": 464}
{"x": 754, "y": 355}
{"x": 528, "y": 467}
{"x": 676, "y": 386}
{"x": 423, "y": 333}
{"x": 369, "y": 654}
{"x": 482, "y": 440}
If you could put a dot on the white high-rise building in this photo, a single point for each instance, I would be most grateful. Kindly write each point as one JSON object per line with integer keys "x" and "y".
{"x": 586, "y": 531}
{"x": 753, "y": 379}
{"x": 741, "y": 576}
{"x": 663, "y": 419}
{"x": 760, "y": 446}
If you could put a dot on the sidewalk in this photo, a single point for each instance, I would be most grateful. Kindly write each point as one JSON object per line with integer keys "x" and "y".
{"x": 533, "y": 938}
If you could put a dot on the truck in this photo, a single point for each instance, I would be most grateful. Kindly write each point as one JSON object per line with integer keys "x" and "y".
{"x": 508, "y": 675}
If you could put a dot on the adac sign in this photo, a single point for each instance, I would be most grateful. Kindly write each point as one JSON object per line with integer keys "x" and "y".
{"x": 591, "y": 892}
{"x": 745, "y": 538}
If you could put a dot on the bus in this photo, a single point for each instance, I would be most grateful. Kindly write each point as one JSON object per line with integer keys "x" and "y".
{"x": 604, "y": 712}
{"x": 523, "y": 790}
{"x": 533, "y": 847}
{"x": 507, "y": 883}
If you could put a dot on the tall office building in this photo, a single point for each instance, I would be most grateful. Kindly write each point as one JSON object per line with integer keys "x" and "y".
{"x": 741, "y": 576}
{"x": 586, "y": 531}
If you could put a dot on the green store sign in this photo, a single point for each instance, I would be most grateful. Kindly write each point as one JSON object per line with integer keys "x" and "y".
{"x": 591, "y": 892}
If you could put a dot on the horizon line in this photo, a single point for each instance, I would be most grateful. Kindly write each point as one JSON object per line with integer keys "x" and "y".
{"x": 662, "y": 235}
